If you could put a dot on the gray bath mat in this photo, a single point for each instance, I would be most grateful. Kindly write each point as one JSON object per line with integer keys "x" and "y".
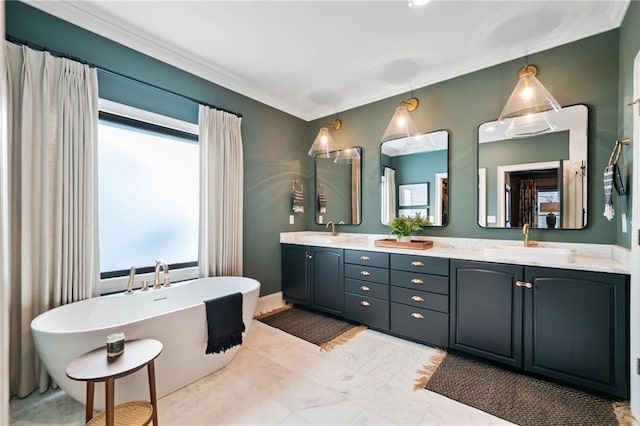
{"x": 321, "y": 330}
{"x": 518, "y": 398}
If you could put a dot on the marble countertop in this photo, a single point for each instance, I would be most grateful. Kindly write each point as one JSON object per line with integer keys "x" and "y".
{"x": 586, "y": 257}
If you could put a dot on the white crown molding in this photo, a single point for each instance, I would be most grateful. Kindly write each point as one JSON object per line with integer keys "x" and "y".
{"x": 616, "y": 11}
{"x": 82, "y": 15}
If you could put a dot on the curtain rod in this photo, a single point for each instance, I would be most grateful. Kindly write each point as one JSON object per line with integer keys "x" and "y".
{"x": 56, "y": 53}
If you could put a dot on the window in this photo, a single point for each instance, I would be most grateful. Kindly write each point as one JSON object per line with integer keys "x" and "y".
{"x": 148, "y": 195}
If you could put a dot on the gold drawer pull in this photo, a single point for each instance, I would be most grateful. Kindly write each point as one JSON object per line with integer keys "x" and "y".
{"x": 417, "y": 263}
{"x": 417, "y": 315}
{"x": 523, "y": 284}
{"x": 365, "y": 288}
{"x": 364, "y": 258}
{"x": 417, "y": 299}
{"x": 365, "y": 303}
{"x": 365, "y": 273}
{"x": 417, "y": 281}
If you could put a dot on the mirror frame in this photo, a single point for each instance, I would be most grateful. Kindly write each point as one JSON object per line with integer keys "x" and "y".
{"x": 315, "y": 188}
{"x": 431, "y": 187}
{"x": 576, "y": 122}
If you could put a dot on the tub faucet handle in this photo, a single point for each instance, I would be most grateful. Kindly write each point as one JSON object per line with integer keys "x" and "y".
{"x": 132, "y": 278}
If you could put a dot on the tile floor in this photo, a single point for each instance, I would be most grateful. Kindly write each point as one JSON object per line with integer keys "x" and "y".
{"x": 278, "y": 379}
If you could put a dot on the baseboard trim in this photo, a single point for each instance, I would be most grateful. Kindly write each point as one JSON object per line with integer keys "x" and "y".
{"x": 269, "y": 302}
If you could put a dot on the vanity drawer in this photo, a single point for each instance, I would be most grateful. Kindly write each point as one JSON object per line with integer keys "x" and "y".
{"x": 419, "y": 324}
{"x": 364, "y": 288}
{"x": 369, "y": 258}
{"x": 367, "y": 310}
{"x": 420, "y": 299}
{"x": 367, "y": 273}
{"x": 423, "y": 282}
{"x": 422, "y": 264}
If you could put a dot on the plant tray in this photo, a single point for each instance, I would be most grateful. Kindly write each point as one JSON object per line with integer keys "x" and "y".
{"x": 415, "y": 244}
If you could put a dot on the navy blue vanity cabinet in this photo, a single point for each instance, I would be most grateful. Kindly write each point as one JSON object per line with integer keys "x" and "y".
{"x": 313, "y": 277}
{"x": 569, "y": 325}
{"x": 366, "y": 294}
{"x": 296, "y": 286}
{"x": 419, "y": 298}
{"x": 486, "y": 310}
{"x": 576, "y": 328}
{"x": 327, "y": 280}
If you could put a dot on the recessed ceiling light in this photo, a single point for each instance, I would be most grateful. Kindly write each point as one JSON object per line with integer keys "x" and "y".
{"x": 417, "y": 3}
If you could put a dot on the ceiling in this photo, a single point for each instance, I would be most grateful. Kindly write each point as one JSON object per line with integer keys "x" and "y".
{"x": 315, "y": 58}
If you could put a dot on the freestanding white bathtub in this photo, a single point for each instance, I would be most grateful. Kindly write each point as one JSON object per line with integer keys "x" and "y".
{"x": 175, "y": 316}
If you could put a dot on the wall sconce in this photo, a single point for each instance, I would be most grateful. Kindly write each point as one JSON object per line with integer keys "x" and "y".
{"x": 527, "y": 106}
{"x": 401, "y": 124}
{"x": 323, "y": 145}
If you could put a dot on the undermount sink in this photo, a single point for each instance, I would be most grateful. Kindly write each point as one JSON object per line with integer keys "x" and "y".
{"x": 324, "y": 239}
{"x": 540, "y": 254}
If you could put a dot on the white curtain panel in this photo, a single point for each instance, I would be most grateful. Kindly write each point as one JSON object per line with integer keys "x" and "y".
{"x": 52, "y": 132}
{"x": 221, "y": 193}
{"x": 4, "y": 243}
{"x": 388, "y": 204}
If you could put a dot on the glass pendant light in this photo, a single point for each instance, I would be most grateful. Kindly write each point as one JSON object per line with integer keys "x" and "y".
{"x": 346, "y": 156}
{"x": 528, "y": 106}
{"x": 401, "y": 124}
{"x": 529, "y": 125}
{"x": 323, "y": 146}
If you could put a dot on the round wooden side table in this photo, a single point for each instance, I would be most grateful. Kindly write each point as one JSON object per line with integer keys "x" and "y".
{"x": 94, "y": 366}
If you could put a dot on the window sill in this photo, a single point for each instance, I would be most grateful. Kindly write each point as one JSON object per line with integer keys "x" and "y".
{"x": 114, "y": 285}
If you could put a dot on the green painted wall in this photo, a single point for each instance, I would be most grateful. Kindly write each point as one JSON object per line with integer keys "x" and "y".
{"x": 275, "y": 143}
{"x": 585, "y": 71}
{"x": 629, "y": 48}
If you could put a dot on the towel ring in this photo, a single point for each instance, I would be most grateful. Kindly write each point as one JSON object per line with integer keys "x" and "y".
{"x": 296, "y": 186}
{"x": 321, "y": 189}
{"x": 617, "y": 148}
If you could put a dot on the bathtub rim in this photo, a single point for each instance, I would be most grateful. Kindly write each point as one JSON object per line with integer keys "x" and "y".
{"x": 42, "y": 316}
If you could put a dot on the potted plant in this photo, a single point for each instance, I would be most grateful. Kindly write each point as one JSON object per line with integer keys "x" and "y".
{"x": 403, "y": 226}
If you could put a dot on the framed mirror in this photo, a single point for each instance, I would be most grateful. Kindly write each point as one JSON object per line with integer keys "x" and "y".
{"x": 415, "y": 178}
{"x": 338, "y": 187}
{"x": 540, "y": 179}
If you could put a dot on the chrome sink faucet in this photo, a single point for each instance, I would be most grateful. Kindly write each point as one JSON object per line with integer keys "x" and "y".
{"x": 333, "y": 228}
{"x": 165, "y": 269}
{"x": 525, "y": 232}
